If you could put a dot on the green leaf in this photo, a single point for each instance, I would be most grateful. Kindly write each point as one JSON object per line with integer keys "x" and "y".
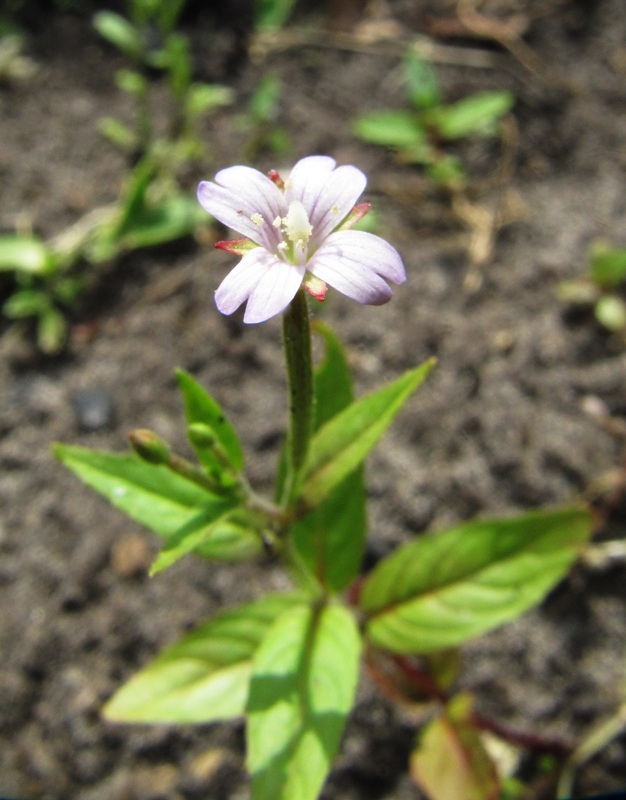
{"x": 131, "y": 81}
{"x": 151, "y": 495}
{"x": 173, "y": 218}
{"x": 451, "y": 761}
{"x": 607, "y": 265}
{"x": 422, "y": 83}
{"x": 272, "y": 14}
{"x": 262, "y": 105}
{"x": 51, "y": 331}
{"x": 119, "y": 32}
{"x": 476, "y": 114}
{"x": 303, "y": 686}
{"x": 331, "y": 538}
{"x": 343, "y": 443}
{"x": 117, "y": 132}
{"x": 447, "y": 170}
{"x": 26, "y": 303}
{"x": 610, "y": 312}
{"x": 397, "y": 129}
{"x": 206, "y": 675}
{"x": 203, "y": 97}
{"x": 200, "y": 407}
{"x": 445, "y": 588}
{"x": 223, "y": 534}
{"x": 25, "y": 254}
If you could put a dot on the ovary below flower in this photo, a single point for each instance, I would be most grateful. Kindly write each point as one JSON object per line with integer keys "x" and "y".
{"x": 297, "y": 233}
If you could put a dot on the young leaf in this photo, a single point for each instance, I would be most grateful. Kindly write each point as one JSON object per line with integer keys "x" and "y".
{"x": 224, "y": 534}
{"x": 476, "y": 114}
{"x": 397, "y": 129}
{"x": 451, "y": 761}
{"x": 25, "y": 254}
{"x": 151, "y": 495}
{"x": 445, "y": 588}
{"x": 610, "y": 311}
{"x": 201, "y": 407}
{"x": 51, "y": 330}
{"x": 175, "y": 217}
{"x": 607, "y": 265}
{"x": 303, "y": 685}
{"x": 331, "y": 538}
{"x": 343, "y": 443}
{"x": 272, "y": 14}
{"x": 205, "y": 676}
{"x": 422, "y": 83}
{"x": 119, "y": 32}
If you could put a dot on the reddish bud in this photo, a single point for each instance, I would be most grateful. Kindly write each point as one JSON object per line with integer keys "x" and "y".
{"x": 275, "y": 178}
{"x": 149, "y": 447}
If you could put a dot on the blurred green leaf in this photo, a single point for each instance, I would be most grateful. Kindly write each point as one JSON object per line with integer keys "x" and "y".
{"x": 168, "y": 14}
{"x": 447, "y": 171}
{"x": 399, "y": 129}
{"x": 117, "y": 132}
{"x": 447, "y": 587}
{"x": 272, "y": 14}
{"x": 450, "y": 760}
{"x": 173, "y": 218}
{"x": 265, "y": 97}
{"x": 26, "y": 303}
{"x": 25, "y": 254}
{"x": 51, "y": 330}
{"x": 610, "y": 312}
{"x": 476, "y": 114}
{"x": 200, "y": 407}
{"x": 119, "y": 32}
{"x": 607, "y": 265}
{"x": 305, "y": 674}
{"x": 130, "y": 81}
{"x": 343, "y": 443}
{"x": 331, "y": 538}
{"x": 206, "y": 675}
{"x": 203, "y": 97}
{"x": 422, "y": 83}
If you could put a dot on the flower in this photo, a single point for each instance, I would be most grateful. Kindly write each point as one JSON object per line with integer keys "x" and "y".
{"x": 297, "y": 233}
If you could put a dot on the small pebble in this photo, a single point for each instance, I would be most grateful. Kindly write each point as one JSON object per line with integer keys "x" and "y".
{"x": 130, "y": 555}
{"x": 94, "y": 409}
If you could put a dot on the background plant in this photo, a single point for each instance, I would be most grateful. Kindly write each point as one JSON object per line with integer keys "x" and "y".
{"x": 47, "y": 278}
{"x": 423, "y": 135}
{"x": 602, "y": 288}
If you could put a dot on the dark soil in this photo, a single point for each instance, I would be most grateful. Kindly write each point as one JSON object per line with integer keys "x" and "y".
{"x": 526, "y": 408}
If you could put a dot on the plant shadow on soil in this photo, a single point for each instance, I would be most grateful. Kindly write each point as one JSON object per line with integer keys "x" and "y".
{"x": 502, "y": 425}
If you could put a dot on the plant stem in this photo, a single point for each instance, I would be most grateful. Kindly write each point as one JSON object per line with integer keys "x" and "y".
{"x": 297, "y": 338}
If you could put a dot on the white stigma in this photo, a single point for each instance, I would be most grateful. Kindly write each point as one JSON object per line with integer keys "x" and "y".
{"x": 298, "y": 227}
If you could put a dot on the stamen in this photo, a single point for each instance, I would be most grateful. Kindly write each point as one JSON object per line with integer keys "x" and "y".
{"x": 257, "y": 219}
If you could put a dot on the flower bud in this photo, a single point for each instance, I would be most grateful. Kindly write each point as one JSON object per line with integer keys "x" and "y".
{"x": 149, "y": 447}
{"x": 201, "y": 435}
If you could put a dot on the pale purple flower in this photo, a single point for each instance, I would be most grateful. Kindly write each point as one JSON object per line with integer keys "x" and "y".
{"x": 297, "y": 233}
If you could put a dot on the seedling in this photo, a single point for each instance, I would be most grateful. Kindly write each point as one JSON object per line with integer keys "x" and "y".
{"x": 602, "y": 288}
{"x": 421, "y": 135}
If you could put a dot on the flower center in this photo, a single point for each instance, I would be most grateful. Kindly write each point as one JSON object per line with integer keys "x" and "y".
{"x": 297, "y": 229}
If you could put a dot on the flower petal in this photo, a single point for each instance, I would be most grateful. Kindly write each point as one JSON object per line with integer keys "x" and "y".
{"x": 355, "y": 263}
{"x": 245, "y": 200}
{"x": 241, "y": 281}
{"x": 274, "y": 291}
{"x": 327, "y": 194}
{"x": 266, "y": 282}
